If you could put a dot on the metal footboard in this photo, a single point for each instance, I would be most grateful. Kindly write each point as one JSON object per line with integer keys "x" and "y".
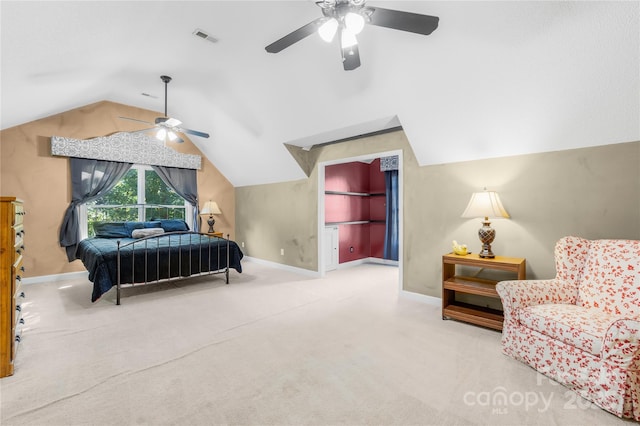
{"x": 157, "y": 257}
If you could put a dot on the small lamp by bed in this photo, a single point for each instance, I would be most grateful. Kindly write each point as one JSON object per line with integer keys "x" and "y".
{"x": 210, "y": 208}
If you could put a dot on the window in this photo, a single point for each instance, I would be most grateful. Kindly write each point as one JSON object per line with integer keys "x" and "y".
{"x": 140, "y": 195}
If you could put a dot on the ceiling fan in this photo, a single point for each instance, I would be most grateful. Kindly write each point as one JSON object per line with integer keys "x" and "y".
{"x": 347, "y": 18}
{"x": 166, "y": 127}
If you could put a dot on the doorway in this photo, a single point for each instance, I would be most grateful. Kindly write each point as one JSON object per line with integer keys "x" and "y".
{"x": 326, "y": 261}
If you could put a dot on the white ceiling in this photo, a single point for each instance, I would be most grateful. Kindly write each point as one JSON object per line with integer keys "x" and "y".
{"x": 495, "y": 79}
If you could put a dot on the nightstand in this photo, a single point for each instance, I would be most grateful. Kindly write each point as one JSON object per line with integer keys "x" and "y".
{"x": 216, "y": 234}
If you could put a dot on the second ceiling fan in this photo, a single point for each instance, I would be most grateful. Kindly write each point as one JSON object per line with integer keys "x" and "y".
{"x": 167, "y": 128}
{"x": 347, "y": 18}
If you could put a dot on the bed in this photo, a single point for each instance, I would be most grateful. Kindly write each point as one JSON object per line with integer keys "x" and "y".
{"x": 135, "y": 253}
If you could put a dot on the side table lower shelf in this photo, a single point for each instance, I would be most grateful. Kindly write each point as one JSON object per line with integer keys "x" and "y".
{"x": 486, "y": 317}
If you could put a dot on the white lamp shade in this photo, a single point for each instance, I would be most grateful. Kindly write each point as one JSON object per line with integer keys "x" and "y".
{"x": 485, "y": 204}
{"x": 354, "y": 22}
{"x": 162, "y": 133}
{"x": 210, "y": 207}
{"x": 348, "y": 39}
{"x": 172, "y": 136}
{"x": 328, "y": 30}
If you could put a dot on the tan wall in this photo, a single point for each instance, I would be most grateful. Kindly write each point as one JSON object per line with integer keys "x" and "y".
{"x": 589, "y": 192}
{"x": 279, "y": 216}
{"x": 29, "y": 171}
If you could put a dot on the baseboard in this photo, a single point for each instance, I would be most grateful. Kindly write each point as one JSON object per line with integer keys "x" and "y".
{"x": 56, "y": 277}
{"x": 277, "y": 265}
{"x": 365, "y": 260}
{"x": 423, "y": 298}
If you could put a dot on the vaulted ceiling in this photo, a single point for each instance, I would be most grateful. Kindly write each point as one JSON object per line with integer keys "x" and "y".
{"x": 495, "y": 79}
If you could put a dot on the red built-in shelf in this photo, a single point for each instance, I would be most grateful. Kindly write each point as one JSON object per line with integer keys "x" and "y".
{"x": 355, "y": 201}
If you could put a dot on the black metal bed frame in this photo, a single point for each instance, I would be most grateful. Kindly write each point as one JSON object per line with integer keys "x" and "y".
{"x": 142, "y": 244}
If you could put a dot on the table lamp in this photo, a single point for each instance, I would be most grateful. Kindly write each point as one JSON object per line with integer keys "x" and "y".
{"x": 485, "y": 204}
{"x": 210, "y": 208}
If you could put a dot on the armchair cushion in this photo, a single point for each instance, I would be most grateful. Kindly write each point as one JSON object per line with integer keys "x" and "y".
{"x": 571, "y": 324}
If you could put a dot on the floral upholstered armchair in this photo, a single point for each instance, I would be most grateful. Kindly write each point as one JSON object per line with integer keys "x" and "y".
{"x": 582, "y": 328}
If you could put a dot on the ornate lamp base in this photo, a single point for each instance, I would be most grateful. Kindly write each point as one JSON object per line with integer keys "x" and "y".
{"x": 486, "y": 235}
{"x": 210, "y": 222}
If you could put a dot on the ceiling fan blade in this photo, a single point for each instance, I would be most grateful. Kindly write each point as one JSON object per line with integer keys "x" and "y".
{"x": 135, "y": 119}
{"x": 295, "y": 36}
{"x": 350, "y": 58}
{"x": 192, "y": 132}
{"x": 405, "y": 21}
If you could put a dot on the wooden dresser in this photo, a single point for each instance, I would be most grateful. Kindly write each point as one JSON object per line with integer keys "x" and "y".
{"x": 11, "y": 270}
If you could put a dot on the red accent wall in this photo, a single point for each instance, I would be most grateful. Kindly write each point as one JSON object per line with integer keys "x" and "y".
{"x": 347, "y": 177}
{"x": 356, "y": 236}
{"x": 356, "y": 241}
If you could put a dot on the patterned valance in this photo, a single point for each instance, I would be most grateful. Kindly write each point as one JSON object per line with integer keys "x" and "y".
{"x": 389, "y": 163}
{"x": 136, "y": 148}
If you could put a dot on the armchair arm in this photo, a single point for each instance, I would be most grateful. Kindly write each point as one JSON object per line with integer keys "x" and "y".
{"x": 621, "y": 344}
{"x": 520, "y": 294}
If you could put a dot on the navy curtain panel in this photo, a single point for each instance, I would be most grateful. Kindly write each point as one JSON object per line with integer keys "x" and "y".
{"x": 391, "y": 231}
{"x": 90, "y": 179}
{"x": 185, "y": 183}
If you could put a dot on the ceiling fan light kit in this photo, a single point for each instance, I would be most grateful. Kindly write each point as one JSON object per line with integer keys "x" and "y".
{"x": 354, "y": 22}
{"x": 166, "y": 127}
{"x": 348, "y": 39}
{"x": 348, "y": 18}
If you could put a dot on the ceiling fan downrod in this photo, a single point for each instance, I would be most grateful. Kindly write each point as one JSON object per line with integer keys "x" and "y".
{"x": 166, "y": 79}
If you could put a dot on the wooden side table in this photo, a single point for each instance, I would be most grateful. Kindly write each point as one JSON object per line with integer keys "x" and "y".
{"x": 216, "y": 234}
{"x": 452, "y": 284}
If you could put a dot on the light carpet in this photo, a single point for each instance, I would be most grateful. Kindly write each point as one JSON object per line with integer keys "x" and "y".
{"x": 271, "y": 348}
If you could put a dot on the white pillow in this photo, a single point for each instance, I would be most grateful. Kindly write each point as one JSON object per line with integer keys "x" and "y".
{"x": 146, "y": 232}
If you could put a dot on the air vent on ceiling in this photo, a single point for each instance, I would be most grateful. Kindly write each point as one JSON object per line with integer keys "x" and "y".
{"x": 204, "y": 35}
